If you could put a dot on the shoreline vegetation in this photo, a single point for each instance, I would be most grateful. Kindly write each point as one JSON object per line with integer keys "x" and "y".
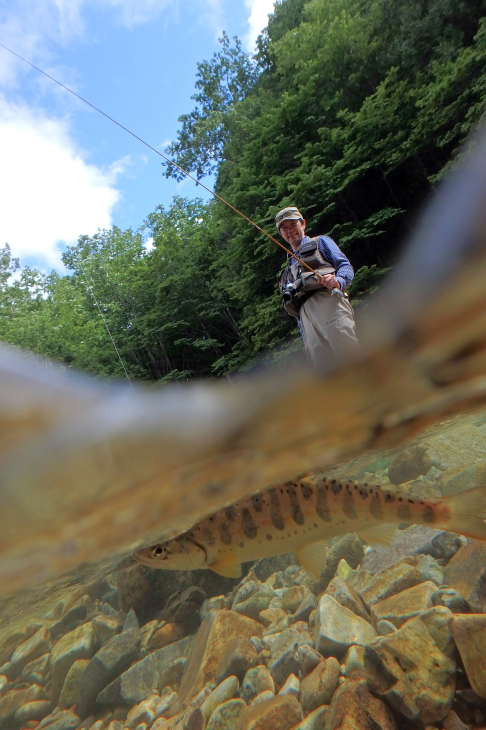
{"x": 353, "y": 109}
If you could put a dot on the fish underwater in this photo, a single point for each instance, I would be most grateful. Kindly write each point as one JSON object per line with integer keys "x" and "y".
{"x": 92, "y": 472}
{"x": 300, "y": 514}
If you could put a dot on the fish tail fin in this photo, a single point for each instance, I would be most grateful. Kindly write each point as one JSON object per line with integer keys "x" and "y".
{"x": 467, "y": 512}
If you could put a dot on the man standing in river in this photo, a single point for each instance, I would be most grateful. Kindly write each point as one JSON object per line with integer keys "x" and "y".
{"x": 318, "y": 301}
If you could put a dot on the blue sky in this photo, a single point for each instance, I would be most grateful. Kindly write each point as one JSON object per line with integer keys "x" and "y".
{"x": 64, "y": 169}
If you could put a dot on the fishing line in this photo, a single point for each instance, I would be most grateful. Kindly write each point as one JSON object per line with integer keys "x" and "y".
{"x": 157, "y": 152}
{"x": 91, "y": 288}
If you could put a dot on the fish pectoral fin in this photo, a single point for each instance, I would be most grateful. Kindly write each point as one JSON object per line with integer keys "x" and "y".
{"x": 229, "y": 568}
{"x": 313, "y": 557}
{"x": 379, "y": 536}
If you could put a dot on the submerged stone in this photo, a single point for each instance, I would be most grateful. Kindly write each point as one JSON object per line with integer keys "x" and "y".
{"x": 218, "y": 631}
{"x": 226, "y": 715}
{"x": 469, "y": 632}
{"x": 337, "y": 628}
{"x": 353, "y": 707}
{"x": 155, "y": 671}
{"x": 319, "y": 686}
{"x": 405, "y": 605}
{"x": 408, "y": 669}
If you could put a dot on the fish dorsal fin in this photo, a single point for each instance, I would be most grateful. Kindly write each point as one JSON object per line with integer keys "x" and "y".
{"x": 229, "y": 567}
{"x": 313, "y": 557}
{"x": 379, "y": 536}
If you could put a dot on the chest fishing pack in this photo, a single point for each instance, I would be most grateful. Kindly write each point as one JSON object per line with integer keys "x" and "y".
{"x": 296, "y": 283}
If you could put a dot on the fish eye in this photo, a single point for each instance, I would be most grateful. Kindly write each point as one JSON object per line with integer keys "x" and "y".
{"x": 157, "y": 551}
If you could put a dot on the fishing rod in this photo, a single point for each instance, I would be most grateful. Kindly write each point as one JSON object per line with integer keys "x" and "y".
{"x": 167, "y": 159}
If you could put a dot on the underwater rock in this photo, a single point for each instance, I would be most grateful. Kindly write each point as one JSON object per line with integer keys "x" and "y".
{"x": 278, "y": 713}
{"x": 36, "y": 710}
{"x": 248, "y": 689}
{"x": 167, "y": 634}
{"x": 70, "y": 689}
{"x": 183, "y": 608}
{"x": 236, "y": 659}
{"x": 305, "y": 608}
{"x": 404, "y": 605}
{"x": 437, "y": 621}
{"x": 409, "y": 670}
{"x": 35, "y": 672}
{"x": 337, "y": 628}
{"x": 36, "y": 646}
{"x": 409, "y": 464}
{"x": 226, "y": 690}
{"x": 105, "y": 627}
{"x": 469, "y": 632}
{"x": 264, "y": 681}
{"x": 346, "y": 547}
{"x": 144, "y": 712}
{"x": 451, "y": 599}
{"x": 354, "y": 660}
{"x": 62, "y": 720}
{"x": 226, "y": 715}
{"x": 219, "y": 630}
{"x": 466, "y": 573}
{"x": 389, "y": 581}
{"x": 415, "y": 540}
{"x": 430, "y": 569}
{"x": 16, "y": 698}
{"x": 348, "y": 597}
{"x": 157, "y": 670}
{"x": 316, "y": 720}
{"x": 77, "y": 644}
{"x": 308, "y": 659}
{"x": 385, "y": 627}
{"x": 353, "y": 707}
{"x": 258, "y": 601}
{"x": 266, "y": 566}
{"x": 109, "y": 662}
{"x": 319, "y": 686}
{"x": 74, "y": 616}
{"x": 284, "y": 653}
{"x": 293, "y": 597}
{"x": 291, "y": 686}
{"x": 270, "y": 615}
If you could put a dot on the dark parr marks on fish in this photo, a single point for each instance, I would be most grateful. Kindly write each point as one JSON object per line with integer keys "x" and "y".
{"x": 428, "y": 515}
{"x": 275, "y": 510}
{"x": 230, "y": 513}
{"x": 306, "y": 491}
{"x": 295, "y": 508}
{"x": 404, "y": 512}
{"x": 336, "y": 486}
{"x": 349, "y": 507}
{"x": 224, "y": 533}
{"x": 322, "y": 508}
{"x": 248, "y": 524}
{"x": 208, "y": 536}
{"x": 257, "y": 502}
{"x": 375, "y": 507}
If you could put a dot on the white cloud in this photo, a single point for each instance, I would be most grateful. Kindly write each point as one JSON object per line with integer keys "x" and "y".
{"x": 259, "y": 12}
{"x": 50, "y": 194}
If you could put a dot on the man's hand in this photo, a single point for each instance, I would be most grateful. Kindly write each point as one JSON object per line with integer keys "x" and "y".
{"x": 329, "y": 281}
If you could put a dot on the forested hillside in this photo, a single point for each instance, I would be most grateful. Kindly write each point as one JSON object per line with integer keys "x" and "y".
{"x": 352, "y": 109}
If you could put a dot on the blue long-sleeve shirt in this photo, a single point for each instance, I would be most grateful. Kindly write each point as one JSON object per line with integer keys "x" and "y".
{"x": 333, "y": 254}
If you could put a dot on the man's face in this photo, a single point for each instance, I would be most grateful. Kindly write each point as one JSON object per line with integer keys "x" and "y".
{"x": 293, "y": 232}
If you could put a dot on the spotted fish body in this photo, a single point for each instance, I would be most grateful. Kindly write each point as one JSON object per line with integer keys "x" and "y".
{"x": 301, "y": 514}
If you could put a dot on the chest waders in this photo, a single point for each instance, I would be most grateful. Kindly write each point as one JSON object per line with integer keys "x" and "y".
{"x": 296, "y": 283}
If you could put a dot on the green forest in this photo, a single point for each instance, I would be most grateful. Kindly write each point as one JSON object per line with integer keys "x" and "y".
{"x": 353, "y": 110}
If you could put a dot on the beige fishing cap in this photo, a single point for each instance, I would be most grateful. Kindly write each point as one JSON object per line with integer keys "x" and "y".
{"x": 288, "y": 214}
